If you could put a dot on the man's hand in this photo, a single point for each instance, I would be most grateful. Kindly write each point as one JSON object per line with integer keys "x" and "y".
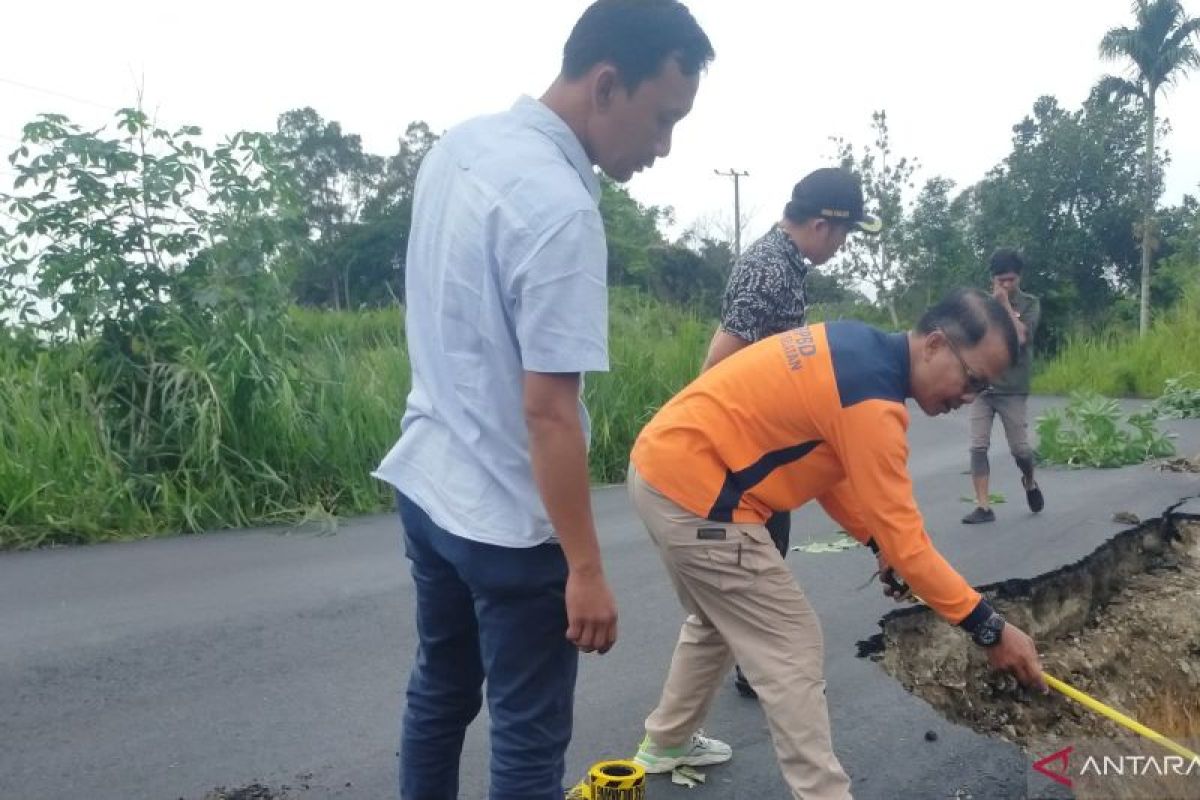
{"x": 1001, "y": 295}
{"x": 1015, "y": 653}
{"x": 591, "y": 612}
{"x": 893, "y": 585}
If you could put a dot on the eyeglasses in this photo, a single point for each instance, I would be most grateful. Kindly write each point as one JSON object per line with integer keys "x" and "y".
{"x": 976, "y": 383}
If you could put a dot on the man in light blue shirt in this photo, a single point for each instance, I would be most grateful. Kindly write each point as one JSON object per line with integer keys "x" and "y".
{"x": 506, "y": 308}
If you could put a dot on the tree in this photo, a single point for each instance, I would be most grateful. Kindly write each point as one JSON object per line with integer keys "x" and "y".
{"x": 400, "y": 175}
{"x": 336, "y": 180}
{"x": 937, "y": 256}
{"x": 876, "y": 259}
{"x": 105, "y": 227}
{"x": 632, "y": 231}
{"x": 683, "y": 276}
{"x": 1160, "y": 50}
{"x": 1179, "y": 263}
{"x": 1067, "y": 196}
{"x": 154, "y": 254}
{"x": 357, "y": 211}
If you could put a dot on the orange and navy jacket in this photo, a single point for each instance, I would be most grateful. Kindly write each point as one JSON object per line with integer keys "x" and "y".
{"x": 812, "y": 413}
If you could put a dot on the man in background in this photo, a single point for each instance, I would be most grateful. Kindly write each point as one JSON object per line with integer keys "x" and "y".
{"x": 1009, "y": 395}
{"x": 766, "y": 293}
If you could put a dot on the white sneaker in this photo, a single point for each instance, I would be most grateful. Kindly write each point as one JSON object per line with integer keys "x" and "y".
{"x": 700, "y": 751}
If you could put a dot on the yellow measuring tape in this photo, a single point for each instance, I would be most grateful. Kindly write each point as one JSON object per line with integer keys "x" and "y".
{"x": 612, "y": 780}
{"x": 1116, "y": 716}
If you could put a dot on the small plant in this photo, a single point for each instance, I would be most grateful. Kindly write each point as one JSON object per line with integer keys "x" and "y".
{"x": 993, "y": 498}
{"x": 1180, "y": 398}
{"x": 841, "y": 541}
{"x": 1090, "y": 433}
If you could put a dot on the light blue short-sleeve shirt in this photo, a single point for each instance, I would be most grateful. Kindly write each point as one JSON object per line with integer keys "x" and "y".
{"x": 506, "y": 272}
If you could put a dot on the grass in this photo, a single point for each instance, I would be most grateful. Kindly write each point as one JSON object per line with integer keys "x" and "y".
{"x": 1119, "y": 364}
{"x": 235, "y": 431}
{"x": 247, "y": 428}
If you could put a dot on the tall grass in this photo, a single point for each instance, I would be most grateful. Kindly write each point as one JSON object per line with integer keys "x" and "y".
{"x": 238, "y": 430}
{"x": 654, "y": 351}
{"x": 233, "y": 431}
{"x": 1119, "y": 364}
{"x": 242, "y": 429}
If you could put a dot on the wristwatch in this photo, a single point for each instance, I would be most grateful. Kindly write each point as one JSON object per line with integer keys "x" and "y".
{"x": 987, "y": 633}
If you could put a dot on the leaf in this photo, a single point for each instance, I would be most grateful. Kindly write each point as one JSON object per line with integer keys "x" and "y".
{"x": 993, "y": 498}
{"x": 842, "y": 542}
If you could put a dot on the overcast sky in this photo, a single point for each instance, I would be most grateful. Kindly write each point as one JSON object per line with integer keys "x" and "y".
{"x": 953, "y": 76}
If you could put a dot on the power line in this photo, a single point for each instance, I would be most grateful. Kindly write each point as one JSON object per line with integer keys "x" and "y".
{"x": 53, "y": 93}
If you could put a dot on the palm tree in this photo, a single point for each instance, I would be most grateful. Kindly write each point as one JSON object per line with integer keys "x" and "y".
{"x": 1160, "y": 50}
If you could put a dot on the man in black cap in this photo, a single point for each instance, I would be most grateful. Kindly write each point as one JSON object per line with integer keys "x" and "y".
{"x": 766, "y": 295}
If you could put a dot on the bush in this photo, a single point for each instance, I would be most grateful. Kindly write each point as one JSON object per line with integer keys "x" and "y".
{"x": 1180, "y": 398}
{"x": 1090, "y": 433}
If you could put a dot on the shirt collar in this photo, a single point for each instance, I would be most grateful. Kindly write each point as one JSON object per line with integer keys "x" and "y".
{"x": 539, "y": 116}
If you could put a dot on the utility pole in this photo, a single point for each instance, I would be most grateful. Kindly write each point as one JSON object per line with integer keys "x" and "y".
{"x": 737, "y": 208}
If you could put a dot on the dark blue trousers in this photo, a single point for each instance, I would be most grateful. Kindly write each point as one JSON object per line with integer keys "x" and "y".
{"x": 496, "y": 615}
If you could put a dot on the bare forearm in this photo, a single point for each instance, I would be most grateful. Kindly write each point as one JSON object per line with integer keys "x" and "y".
{"x": 559, "y": 457}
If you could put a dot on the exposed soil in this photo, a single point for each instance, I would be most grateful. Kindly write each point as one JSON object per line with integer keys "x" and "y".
{"x": 1181, "y": 464}
{"x": 255, "y": 791}
{"x": 1122, "y": 625}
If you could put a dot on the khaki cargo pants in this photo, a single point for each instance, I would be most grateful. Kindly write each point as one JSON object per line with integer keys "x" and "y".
{"x": 743, "y": 603}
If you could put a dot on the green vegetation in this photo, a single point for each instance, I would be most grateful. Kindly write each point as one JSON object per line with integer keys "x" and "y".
{"x": 1117, "y": 363}
{"x": 265, "y": 431}
{"x": 993, "y": 498}
{"x": 1091, "y": 433}
{"x": 199, "y": 336}
{"x": 1180, "y": 398}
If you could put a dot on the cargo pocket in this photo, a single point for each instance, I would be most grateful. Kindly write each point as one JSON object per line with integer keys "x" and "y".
{"x": 745, "y": 560}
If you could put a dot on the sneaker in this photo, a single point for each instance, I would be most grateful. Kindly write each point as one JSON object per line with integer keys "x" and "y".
{"x": 979, "y": 515}
{"x": 700, "y": 751}
{"x": 742, "y": 685}
{"x": 1033, "y": 496}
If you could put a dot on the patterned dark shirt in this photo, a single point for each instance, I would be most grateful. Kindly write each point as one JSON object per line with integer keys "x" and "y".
{"x": 765, "y": 294}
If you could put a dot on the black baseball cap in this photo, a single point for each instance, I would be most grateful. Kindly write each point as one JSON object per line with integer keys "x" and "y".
{"x": 834, "y": 194}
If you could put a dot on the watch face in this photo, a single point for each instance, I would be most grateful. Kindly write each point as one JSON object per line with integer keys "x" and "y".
{"x": 989, "y": 632}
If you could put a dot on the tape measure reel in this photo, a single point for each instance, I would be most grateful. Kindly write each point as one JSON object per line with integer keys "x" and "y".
{"x": 617, "y": 780}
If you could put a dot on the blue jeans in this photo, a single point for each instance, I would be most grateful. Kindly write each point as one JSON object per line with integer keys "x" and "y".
{"x": 486, "y": 612}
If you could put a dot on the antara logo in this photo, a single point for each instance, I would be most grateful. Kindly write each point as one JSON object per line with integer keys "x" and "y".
{"x": 1057, "y": 766}
{"x": 1064, "y": 755}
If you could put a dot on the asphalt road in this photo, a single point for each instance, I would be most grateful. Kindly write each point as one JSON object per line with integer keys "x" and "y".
{"x": 163, "y": 669}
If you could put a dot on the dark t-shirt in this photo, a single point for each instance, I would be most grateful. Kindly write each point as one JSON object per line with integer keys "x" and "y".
{"x": 1016, "y": 379}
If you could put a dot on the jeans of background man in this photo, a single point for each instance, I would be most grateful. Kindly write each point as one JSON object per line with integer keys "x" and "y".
{"x": 494, "y": 613}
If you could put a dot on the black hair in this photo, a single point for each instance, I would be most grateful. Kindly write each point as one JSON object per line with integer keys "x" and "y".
{"x": 1006, "y": 260}
{"x": 965, "y": 315}
{"x": 797, "y": 212}
{"x": 636, "y": 36}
